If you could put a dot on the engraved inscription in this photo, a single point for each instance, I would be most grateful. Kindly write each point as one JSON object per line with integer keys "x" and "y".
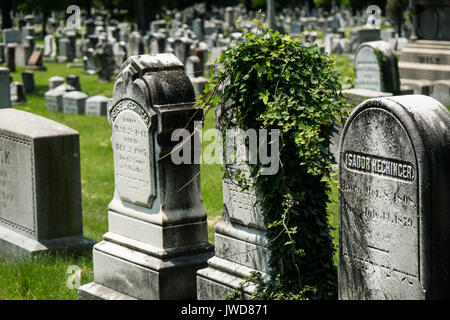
{"x": 379, "y": 165}
{"x": 132, "y": 143}
{"x": 429, "y": 59}
{"x": 17, "y": 209}
{"x": 71, "y": 106}
{"x": 379, "y": 220}
{"x": 242, "y": 205}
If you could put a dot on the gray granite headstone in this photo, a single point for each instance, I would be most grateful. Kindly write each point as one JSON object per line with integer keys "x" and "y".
{"x": 40, "y": 188}
{"x": 152, "y": 217}
{"x": 394, "y": 208}
{"x": 74, "y": 102}
{"x": 53, "y": 100}
{"x": 17, "y": 93}
{"x": 74, "y": 81}
{"x": 28, "y": 80}
{"x": 376, "y": 67}
{"x": 55, "y": 81}
{"x": 96, "y": 105}
{"x": 11, "y": 36}
{"x": 5, "y": 97}
{"x": 11, "y": 57}
{"x": 49, "y": 48}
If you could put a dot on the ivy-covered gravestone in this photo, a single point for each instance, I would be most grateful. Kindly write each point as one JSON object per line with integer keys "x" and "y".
{"x": 274, "y": 241}
{"x": 376, "y": 67}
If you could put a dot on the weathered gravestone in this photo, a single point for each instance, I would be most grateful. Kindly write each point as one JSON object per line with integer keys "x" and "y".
{"x": 17, "y": 93}
{"x": 96, "y": 106}
{"x": 5, "y": 79}
{"x": 74, "y": 81}
{"x": 55, "y": 81}
{"x": 394, "y": 209}
{"x": 376, "y": 67}
{"x": 49, "y": 48}
{"x": 74, "y": 102}
{"x": 40, "y": 189}
{"x": 10, "y": 57}
{"x": 240, "y": 235}
{"x": 35, "y": 60}
{"x": 53, "y": 100}
{"x": 28, "y": 80}
{"x": 157, "y": 236}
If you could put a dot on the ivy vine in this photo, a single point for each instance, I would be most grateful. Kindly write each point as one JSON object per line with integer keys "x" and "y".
{"x": 274, "y": 81}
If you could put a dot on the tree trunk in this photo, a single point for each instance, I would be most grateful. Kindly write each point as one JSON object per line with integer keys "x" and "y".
{"x": 6, "y": 7}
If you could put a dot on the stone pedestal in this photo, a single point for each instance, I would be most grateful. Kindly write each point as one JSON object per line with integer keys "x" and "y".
{"x": 157, "y": 237}
{"x": 240, "y": 241}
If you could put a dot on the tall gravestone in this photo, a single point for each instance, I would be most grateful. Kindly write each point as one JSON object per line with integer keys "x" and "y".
{"x": 240, "y": 235}
{"x": 5, "y": 80}
{"x": 40, "y": 188}
{"x": 394, "y": 209}
{"x": 157, "y": 237}
{"x": 376, "y": 67}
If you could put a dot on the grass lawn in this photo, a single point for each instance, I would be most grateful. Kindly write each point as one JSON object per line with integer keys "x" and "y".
{"x": 46, "y": 277}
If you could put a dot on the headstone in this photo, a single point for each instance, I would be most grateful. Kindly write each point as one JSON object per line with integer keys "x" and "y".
{"x": 11, "y": 36}
{"x": 376, "y": 67}
{"x": 430, "y": 19}
{"x": 199, "y": 84}
{"x": 40, "y": 186}
{"x": 240, "y": 235}
{"x": 89, "y": 62}
{"x": 5, "y": 79}
{"x": 55, "y": 81}
{"x": 360, "y": 35}
{"x": 35, "y": 60}
{"x": 17, "y": 93}
{"x": 51, "y": 26}
{"x": 22, "y": 54}
{"x": 154, "y": 217}
{"x": 74, "y": 81}
{"x": 393, "y": 208}
{"x": 53, "y": 100}
{"x": 440, "y": 91}
{"x": 28, "y": 80}
{"x": 49, "y": 48}
{"x": 135, "y": 44}
{"x": 193, "y": 67}
{"x": 104, "y": 60}
{"x": 65, "y": 51}
{"x": 96, "y": 106}
{"x": 74, "y": 102}
{"x": 2, "y": 52}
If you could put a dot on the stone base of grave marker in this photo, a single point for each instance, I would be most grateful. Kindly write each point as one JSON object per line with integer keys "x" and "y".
{"x": 40, "y": 187}
{"x": 240, "y": 246}
{"x": 239, "y": 252}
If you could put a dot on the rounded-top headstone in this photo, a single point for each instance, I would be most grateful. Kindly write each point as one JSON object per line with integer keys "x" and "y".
{"x": 376, "y": 67}
{"x": 394, "y": 208}
{"x": 55, "y": 81}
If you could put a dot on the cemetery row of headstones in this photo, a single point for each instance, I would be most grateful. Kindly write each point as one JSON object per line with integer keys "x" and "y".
{"x": 394, "y": 152}
{"x": 67, "y": 97}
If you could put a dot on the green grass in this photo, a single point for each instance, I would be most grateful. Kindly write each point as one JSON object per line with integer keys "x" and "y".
{"x": 45, "y": 277}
